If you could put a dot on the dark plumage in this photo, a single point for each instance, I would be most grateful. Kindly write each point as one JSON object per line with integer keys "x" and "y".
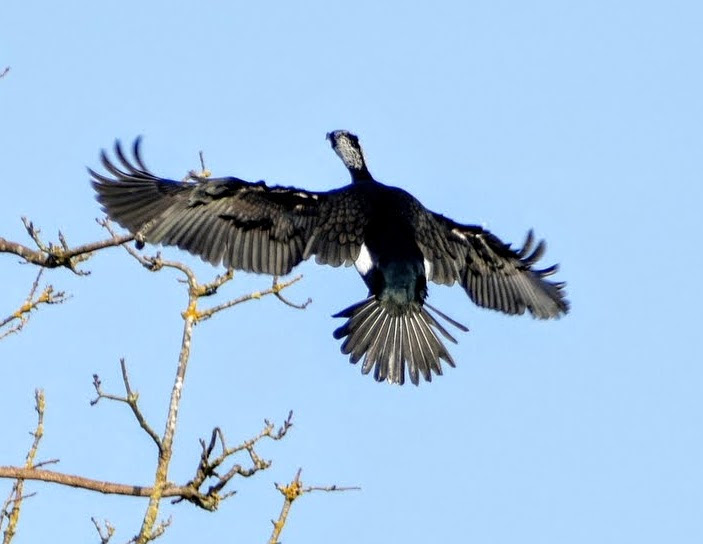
{"x": 396, "y": 244}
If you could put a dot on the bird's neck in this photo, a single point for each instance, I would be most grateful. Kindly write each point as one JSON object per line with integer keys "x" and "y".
{"x": 361, "y": 175}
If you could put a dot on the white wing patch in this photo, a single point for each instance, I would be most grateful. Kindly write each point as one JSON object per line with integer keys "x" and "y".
{"x": 459, "y": 234}
{"x": 301, "y": 194}
{"x": 428, "y": 269}
{"x": 364, "y": 262}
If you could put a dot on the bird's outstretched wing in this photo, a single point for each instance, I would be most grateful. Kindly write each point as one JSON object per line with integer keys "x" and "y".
{"x": 493, "y": 274}
{"x": 246, "y": 226}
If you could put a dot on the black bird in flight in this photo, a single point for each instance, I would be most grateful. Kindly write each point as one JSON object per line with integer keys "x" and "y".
{"x": 396, "y": 244}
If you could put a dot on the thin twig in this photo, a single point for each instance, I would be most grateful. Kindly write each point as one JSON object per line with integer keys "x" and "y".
{"x": 131, "y": 400}
{"x": 22, "y": 314}
{"x": 290, "y": 493}
{"x": 156, "y": 532}
{"x": 280, "y": 297}
{"x": 208, "y": 467}
{"x": 204, "y": 171}
{"x": 275, "y": 289}
{"x": 156, "y": 263}
{"x": 106, "y": 534}
{"x": 18, "y": 488}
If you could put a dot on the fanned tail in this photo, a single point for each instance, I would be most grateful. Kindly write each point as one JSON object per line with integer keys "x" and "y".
{"x": 392, "y": 338}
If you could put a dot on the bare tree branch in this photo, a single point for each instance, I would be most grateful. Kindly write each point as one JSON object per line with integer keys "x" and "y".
{"x": 55, "y": 256}
{"x": 190, "y": 318}
{"x": 48, "y": 256}
{"x": 4, "y": 72}
{"x": 205, "y": 488}
{"x": 192, "y": 315}
{"x": 207, "y": 468}
{"x": 80, "y": 482}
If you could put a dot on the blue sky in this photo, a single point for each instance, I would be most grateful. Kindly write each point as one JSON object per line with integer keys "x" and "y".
{"x": 581, "y": 120}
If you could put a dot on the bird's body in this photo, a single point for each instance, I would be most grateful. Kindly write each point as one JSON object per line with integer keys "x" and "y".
{"x": 396, "y": 244}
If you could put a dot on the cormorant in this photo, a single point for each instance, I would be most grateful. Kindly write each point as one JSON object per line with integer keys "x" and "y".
{"x": 396, "y": 244}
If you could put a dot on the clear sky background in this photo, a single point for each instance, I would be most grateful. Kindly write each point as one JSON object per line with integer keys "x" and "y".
{"x": 583, "y": 120}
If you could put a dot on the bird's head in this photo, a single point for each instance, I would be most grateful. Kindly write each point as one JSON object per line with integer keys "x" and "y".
{"x": 347, "y": 147}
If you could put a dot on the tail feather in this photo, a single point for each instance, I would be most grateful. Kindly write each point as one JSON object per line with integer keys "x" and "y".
{"x": 391, "y": 339}
{"x": 361, "y": 329}
{"x": 444, "y": 316}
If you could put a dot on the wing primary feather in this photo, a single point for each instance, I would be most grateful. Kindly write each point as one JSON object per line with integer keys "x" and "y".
{"x": 527, "y": 245}
{"x": 536, "y": 255}
{"x": 136, "y": 150}
{"x": 549, "y": 271}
